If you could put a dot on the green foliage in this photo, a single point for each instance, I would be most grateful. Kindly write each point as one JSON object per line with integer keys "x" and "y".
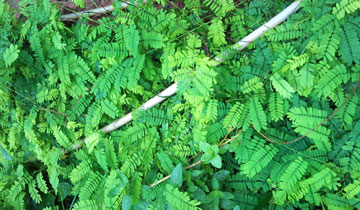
{"x": 177, "y": 175}
{"x": 276, "y": 106}
{"x": 350, "y": 44}
{"x": 152, "y": 39}
{"x": 179, "y": 200}
{"x": 329, "y": 43}
{"x": 251, "y": 85}
{"x": 331, "y": 80}
{"x": 216, "y": 32}
{"x": 79, "y": 3}
{"x": 258, "y": 161}
{"x": 210, "y": 154}
{"x": 281, "y": 86}
{"x": 348, "y": 111}
{"x": 34, "y": 192}
{"x": 153, "y": 117}
{"x": 41, "y": 183}
{"x": 292, "y": 174}
{"x": 345, "y": 6}
{"x": 85, "y": 204}
{"x": 11, "y": 54}
{"x": 220, "y": 7}
{"x": 211, "y": 110}
{"x": 352, "y": 189}
{"x": 275, "y": 126}
{"x": 257, "y": 114}
{"x": 286, "y": 32}
{"x": 233, "y": 116}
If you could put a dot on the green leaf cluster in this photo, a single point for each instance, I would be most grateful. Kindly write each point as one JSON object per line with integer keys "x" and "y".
{"x": 275, "y": 126}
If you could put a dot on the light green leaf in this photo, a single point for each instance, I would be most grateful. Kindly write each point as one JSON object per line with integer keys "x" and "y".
{"x": 41, "y": 183}
{"x": 152, "y": 39}
{"x": 282, "y": 86}
{"x": 126, "y": 203}
{"x": 133, "y": 41}
{"x": 20, "y": 171}
{"x": 109, "y": 108}
{"x": 5, "y": 154}
{"x": 206, "y": 157}
{"x": 180, "y": 200}
{"x": 61, "y": 137}
{"x": 92, "y": 141}
{"x": 233, "y": 116}
{"x": 292, "y": 174}
{"x": 306, "y": 78}
{"x": 11, "y": 54}
{"x": 217, "y": 32}
{"x": 216, "y": 161}
{"x": 56, "y": 38}
{"x": 177, "y": 175}
{"x": 79, "y": 3}
{"x": 34, "y": 193}
{"x": 257, "y": 114}
{"x": 204, "y": 146}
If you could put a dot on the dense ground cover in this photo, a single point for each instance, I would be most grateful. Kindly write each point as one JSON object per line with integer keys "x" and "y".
{"x": 275, "y": 126}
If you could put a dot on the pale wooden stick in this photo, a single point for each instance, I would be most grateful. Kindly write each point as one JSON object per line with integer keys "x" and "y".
{"x": 127, "y": 118}
{"x": 173, "y": 88}
{"x": 238, "y": 46}
{"x": 96, "y": 11}
{"x": 89, "y": 13}
{"x": 272, "y": 23}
